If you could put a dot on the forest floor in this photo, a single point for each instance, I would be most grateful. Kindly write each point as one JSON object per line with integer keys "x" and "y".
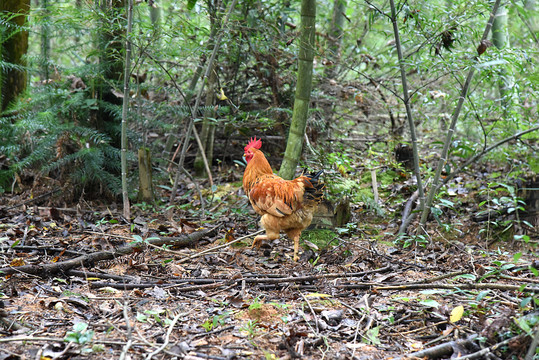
{"x": 194, "y": 289}
{"x": 82, "y": 282}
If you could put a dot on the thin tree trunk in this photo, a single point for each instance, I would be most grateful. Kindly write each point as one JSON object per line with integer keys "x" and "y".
{"x": 443, "y": 157}
{"x": 155, "y": 18}
{"x": 500, "y": 39}
{"x": 302, "y": 98}
{"x": 45, "y": 43}
{"x": 335, "y": 37}
{"x": 125, "y": 105}
{"x": 13, "y": 81}
{"x": 406, "y": 98}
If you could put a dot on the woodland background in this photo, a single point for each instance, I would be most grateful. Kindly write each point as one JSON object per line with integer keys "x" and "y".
{"x": 124, "y": 229}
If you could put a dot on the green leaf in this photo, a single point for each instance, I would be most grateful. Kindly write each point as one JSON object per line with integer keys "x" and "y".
{"x": 482, "y": 295}
{"x": 80, "y": 326}
{"x": 191, "y": 4}
{"x": 430, "y": 303}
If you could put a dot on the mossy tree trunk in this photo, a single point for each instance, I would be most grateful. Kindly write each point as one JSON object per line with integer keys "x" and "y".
{"x": 12, "y": 51}
{"x": 302, "y": 98}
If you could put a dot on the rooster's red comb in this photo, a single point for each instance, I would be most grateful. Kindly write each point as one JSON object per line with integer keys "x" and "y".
{"x": 256, "y": 143}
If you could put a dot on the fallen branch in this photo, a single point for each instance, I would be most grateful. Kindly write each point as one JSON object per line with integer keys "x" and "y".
{"x": 47, "y": 270}
{"x": 466, "y": 286}
{"x": 438, "y": 351}
{"x": 218, "y": 282}
{"x": 482, "y": 354}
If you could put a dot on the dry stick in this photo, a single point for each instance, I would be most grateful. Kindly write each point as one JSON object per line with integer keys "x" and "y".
{"x": 60, "y": 340}
{"x": 315, "y": 277}
{"x": 440, "y": 350}
{"x": 481, "y": 353}
{"x": 218, "y": 282}
{"x": 406, "y": 219}
{"x": 533, "y": 346}
{"x": 31, "y": 200}
{"x": 466, "y": 286}
{"x": 49, "y": 269}
{"x": 167, "y": 338}
{"x": 420, "y": 329}
{"x": 129, "y": 342}
{"x": 209, "y": 66}
{"x": 217, "y": 247}
{"x": 313, "y": 314}
{"x": 443, "y": 158}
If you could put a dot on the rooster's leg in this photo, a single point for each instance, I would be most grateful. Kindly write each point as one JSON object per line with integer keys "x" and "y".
{"x": 258, "y": 239}
{"x": 294, "y": 235}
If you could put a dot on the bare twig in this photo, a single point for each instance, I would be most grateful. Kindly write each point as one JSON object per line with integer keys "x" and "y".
{"x": 440, "y": 350}
{"x": 466, "y": 286}
{"x": 129, "y": 342}
{"x": 217, "y": 247}
{"x": 533, "y": 346}
{"x": 167, "y": 337}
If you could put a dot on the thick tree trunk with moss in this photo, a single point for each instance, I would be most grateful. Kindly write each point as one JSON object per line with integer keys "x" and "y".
{"x": 500, "y": 38}
{"x": 303, "y": 90}
{"x": 335, "y": 38}
{"x": 13, "y": 81}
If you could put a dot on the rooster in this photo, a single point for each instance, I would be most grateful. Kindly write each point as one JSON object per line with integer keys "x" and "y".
{"x": 286, "y": 205}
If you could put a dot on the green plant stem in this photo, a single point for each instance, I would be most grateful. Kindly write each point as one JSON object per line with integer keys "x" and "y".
{"x": 125, "y": 105}
{"x": 406, "y": 98}
{"x": 443, "y": 158}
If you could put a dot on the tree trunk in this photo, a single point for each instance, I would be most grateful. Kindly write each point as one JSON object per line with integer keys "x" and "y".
{"x": 303, "y": 90}
{"x": 125, "y": 107}
{"x": 45, "y": 43}
{"x": 335, "y": 38}
{"x": 500, "y": 38}
{"x": 145, "y": 176}
{"x": 13, "y": 81}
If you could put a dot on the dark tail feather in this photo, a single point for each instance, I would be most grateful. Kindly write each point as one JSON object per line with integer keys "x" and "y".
{"x": 314, "y": 192}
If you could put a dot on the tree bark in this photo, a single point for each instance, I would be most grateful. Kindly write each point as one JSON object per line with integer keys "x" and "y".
{"x": 13, "y": 80}
{"x": 500, "y": 39}
{"x": 145, "y": 175}
{"x": 335, "y": 38}
{"x": 303, "y": 90}
{"x": 125, "y": 108}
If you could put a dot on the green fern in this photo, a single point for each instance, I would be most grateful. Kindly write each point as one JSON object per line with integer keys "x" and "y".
{"x": 52, "y": 134}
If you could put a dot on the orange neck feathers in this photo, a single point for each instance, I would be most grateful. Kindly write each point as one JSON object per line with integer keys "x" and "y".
{"x": 257, "y": 166}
